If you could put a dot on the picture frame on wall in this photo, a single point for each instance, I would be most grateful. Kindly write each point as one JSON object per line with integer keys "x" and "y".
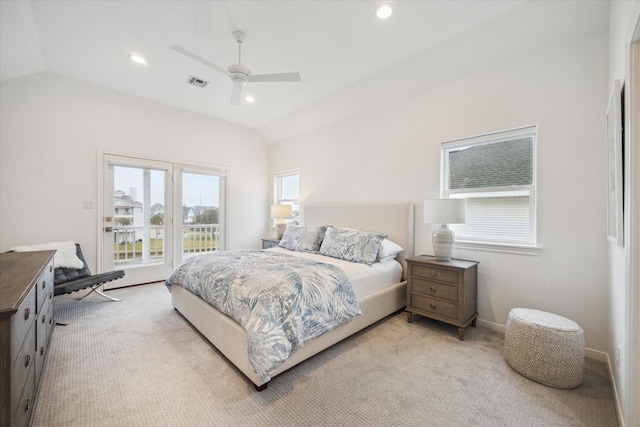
{"x": 615, "y": 164}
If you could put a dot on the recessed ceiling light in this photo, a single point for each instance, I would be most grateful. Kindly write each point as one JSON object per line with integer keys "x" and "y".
{"x": 137, "y": 58}
{"x": 384, "y": 11}
{"x": 249, "y": 98}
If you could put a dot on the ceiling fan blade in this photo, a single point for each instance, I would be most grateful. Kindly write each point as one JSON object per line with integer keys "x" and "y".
{"x": 198, "y": 58}
{"x": 278, "y": 77}
{"x": 236, "y": 95}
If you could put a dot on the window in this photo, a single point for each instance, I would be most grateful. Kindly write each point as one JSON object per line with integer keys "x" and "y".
{"x": 287, "y": 192}
{"x": 495, "y": 173}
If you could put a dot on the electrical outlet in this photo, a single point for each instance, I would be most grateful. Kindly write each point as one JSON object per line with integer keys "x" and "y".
{"x": 618, "y": 356}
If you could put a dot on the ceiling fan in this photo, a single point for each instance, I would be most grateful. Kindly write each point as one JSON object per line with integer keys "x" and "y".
{"x": 238, "y": 73}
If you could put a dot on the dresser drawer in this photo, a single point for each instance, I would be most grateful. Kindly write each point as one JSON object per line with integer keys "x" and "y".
{"x": 41, "y": 339}
{"x": 50, "y": 324}
{"x": 45, "y": 285}
{"x": 24, "y": 402}
{"x": 435, "y": 306}
{"x": 48, "y": 310}
{"x": 435, "y": 273}
{"x": 21, "y": 322}
{"x": 434, "y": 289}
{"x": 24, "y": 363}
{"x": 43, "y": 333}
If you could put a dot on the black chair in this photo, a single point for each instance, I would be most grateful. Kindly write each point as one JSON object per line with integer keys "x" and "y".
{"x": 68, "y": 280}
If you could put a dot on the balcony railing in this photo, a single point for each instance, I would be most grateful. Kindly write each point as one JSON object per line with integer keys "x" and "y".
{"x": 128, "y": 247}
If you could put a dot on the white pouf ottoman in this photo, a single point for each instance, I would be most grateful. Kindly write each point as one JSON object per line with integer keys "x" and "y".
{"x": 545, "y": 347}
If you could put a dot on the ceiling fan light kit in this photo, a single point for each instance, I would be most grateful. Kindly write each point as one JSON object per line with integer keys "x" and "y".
{"x": 239, "y": 74}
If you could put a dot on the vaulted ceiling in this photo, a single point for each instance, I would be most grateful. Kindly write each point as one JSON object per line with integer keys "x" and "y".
{"x": 349, "y": 60}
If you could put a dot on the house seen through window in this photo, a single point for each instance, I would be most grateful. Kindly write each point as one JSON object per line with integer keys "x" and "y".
{"x": 495, "y": 173}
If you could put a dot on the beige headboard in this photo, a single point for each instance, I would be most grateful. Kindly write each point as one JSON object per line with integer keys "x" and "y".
{"x": 393, "y": 219}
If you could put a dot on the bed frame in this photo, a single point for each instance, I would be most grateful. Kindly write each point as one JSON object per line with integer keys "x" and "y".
{"x": 395, "y": 219}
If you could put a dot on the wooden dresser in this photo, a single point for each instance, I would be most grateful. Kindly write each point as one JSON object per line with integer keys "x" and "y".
{"x": 26, "y": 324}
{"x": 445, "y": 291}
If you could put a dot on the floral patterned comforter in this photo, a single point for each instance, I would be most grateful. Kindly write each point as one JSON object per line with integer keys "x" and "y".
{"x": 279, "y": 299}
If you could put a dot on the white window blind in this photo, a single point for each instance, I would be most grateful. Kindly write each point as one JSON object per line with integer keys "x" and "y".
{"x": 493, "y": 219}
{"x": 495, "y": 173}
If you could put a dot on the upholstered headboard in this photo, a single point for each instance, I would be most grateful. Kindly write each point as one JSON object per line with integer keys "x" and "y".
{"x": 393, "y": 219}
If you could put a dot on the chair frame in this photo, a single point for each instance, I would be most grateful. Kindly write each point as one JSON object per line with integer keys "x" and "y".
{"x": 69, "y": 280}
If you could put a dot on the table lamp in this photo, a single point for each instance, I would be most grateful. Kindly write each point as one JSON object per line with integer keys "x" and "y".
{"x": 280, "y": 212}
{"x": 443, "y": 212}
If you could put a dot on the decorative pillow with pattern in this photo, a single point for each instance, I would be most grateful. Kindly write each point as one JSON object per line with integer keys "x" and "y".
{"x": 351, "y": 245}
{"x": 302, "y": 239}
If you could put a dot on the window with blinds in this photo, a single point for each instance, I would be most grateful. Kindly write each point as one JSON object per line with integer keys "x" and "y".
{"x": 495, "y": 173}
{"x": 286, "y": 191}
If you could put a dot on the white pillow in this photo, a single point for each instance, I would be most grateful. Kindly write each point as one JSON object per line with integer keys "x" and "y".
{"x": 65, "y": 253}
{"x": 388, "y": 249}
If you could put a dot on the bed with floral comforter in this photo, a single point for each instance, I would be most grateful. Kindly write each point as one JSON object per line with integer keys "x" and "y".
{"x": 281, "y": 300}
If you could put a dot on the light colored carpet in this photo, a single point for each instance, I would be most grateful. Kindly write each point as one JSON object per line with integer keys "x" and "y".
{"x": 139, "y": 363}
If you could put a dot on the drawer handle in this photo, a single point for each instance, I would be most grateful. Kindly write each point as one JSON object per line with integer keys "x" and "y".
{"x": 27, "y": 405}
{"x": 433, "y": 306}
{"x": 44, "y": 318}
{"x": 41, "y": 350}
{"x": 433, "y": 273}
{"x": 50, "y": 268}
{"x": 27, "y": 313}
{"x": 50, "y": 295}
{"x": 44, "y": 284}
{"x": 433, "y": 289}
{"x": 27, "y": 360}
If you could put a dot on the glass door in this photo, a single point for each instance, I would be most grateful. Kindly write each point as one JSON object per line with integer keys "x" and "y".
{"x": 200, "y": 201}
{"x": 137, "y": 232}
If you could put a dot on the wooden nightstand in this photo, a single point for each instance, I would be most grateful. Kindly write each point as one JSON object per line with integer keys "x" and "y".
{"x": 445, "y": 291}
{"x": 270, "y": 242}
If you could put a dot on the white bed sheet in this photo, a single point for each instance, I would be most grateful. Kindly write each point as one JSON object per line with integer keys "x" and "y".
{"x": 365, "y": 279}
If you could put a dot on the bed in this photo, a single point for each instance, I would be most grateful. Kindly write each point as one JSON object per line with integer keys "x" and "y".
{"x": 394, "y": 219}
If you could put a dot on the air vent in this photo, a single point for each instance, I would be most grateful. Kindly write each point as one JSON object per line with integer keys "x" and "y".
{"x": 197, "y": 81}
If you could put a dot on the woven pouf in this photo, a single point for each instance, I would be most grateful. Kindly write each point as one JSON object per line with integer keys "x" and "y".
{"x": 545, "y": 347}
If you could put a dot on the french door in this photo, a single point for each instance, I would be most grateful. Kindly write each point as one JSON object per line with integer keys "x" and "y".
{"x": 200, "y": 195}
{"x": 155, "y": 214}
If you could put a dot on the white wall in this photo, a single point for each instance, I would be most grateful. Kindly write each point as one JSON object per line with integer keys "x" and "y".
{"x": 393, "y": 153}
{"x": 51, "y": 130}
{"x": 623, "y": 18}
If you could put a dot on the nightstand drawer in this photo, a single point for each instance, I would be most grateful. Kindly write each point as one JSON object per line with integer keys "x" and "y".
{"x": 434, "y": 273}
{"x": 270, "y": 243}
{"x": 435, "y": 306}
{"x": 434, "y": 289}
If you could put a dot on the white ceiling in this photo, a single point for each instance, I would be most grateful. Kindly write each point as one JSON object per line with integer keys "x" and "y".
{"x": 349, "y": 60}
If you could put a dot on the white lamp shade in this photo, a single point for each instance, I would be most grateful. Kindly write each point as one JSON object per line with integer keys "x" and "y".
{"x": 281, "y": 211}
{"x": 444, "y": 211}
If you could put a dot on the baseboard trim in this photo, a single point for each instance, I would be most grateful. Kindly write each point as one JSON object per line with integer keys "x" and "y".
{"x": 588, "y": 352}
{"x": 598, "y": 355}
{"x": 616, "y": 397}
